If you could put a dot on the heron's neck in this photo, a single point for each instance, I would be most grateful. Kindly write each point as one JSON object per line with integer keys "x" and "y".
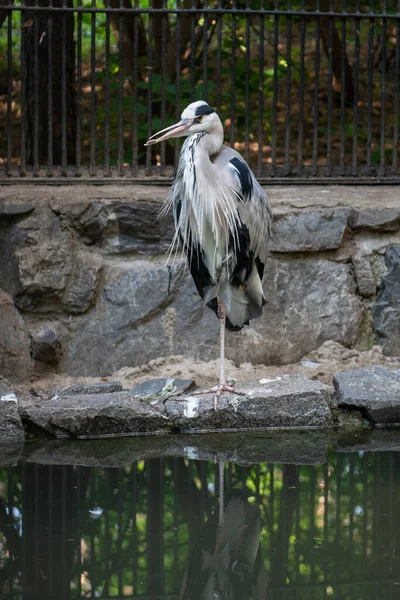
{"x": 211, "y": 143}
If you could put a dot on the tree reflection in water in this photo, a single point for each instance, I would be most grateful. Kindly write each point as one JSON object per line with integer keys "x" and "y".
{"x": 308, "y": 531}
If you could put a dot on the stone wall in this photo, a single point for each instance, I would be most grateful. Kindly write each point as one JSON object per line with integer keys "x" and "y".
{"x": 86, "y": 289}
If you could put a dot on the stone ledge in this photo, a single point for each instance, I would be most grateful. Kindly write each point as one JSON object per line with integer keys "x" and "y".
{"x": 374, "y": 391}
{"x": 364, "y": 397}
{"x": 288, "y": 401}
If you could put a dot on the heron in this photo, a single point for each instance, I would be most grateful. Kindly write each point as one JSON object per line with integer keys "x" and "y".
{"x": 222, "y": 223}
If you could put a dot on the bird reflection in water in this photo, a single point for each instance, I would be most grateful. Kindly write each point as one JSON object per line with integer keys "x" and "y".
{"x": 226, "y": 561}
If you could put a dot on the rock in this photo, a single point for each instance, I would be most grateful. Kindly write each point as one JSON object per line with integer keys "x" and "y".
{"x": 288, "y": 401}
{"x": 11, "y": 428}
{"x": 81, "y": 288}
{"x": 308, "y": 302}
{"x": 158, "y": 390}
{"x": 364, "y": 275}
{"x": 129, "y": 310}
{"x": 375, "y": 219}
{"x": 311, "y": 231}
{"x": 38, "y": 260}
{"x": 294, "y": 447}
{"x": 120, "y": 227}
{"x": 11, "y": 210}
{"x": 374, "y": 391}
{"x": 140, "y": 227}
{"x": 386, "y": 309}
{"x": 146, "y": 300}
{"x": 101, "y": 387}
{"x": 45, "y": 345}
{"x": 97, "y": 415}
{"x": 15, "y": 360}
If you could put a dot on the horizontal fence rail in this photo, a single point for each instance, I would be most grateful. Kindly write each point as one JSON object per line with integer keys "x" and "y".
{"x": 307, "y": 91}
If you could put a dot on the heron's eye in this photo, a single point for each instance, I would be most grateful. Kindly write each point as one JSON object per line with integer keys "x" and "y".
{"x": 199, "y": 119}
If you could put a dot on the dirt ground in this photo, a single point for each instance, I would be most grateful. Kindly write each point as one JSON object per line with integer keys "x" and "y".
{"x": 320, "y": 364}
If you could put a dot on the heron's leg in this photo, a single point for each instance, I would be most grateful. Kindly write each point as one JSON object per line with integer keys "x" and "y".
{"x": 222, "y": 320}
{"x": 223, "y": 385}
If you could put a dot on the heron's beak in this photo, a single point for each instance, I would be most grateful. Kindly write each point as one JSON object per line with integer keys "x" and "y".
{"x": 177, "y": 130}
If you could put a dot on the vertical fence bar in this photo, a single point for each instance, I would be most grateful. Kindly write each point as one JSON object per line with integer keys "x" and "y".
{"x": 64, "y": 92}
{"x": 219, "y": 57}
{"x": 247, "y": 86}
{"x": 396, "y": 97}
{"x": 370, "y": 90}
{"x": 233, "y": 76}
{"x": 9, "y": 93}
{"x": 261, "y": 117}
{"x": 205, "y": 57}
{"x": 164, "y": 78}
{"x": 92, "y": 168}
{"x": 78, "y": 144}
{"x": 288, "y": 90}
{"x": 356, "y": 68}
{"x": 135, "y": 78}
{"x": 301, "y": 95}
{"x": 192, "y": 56}
{"x": 383, "y": 92}
{"x": 178, "y": 70}
{"x": 149, "y": 87}
{"x": 23, "y": 120}
{"x": 330, "y": 96}
{"x": 275, "y": 93}
{"x": 107, "y": 170}
{"x": 121, "y": 92}
{"x": 36, "y": 93}
{"x": 316, "y": 94}
{"x": 50, "y": 161}
{"x": 343, "y": 84}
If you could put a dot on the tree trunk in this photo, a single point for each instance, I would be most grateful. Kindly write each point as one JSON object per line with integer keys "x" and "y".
{"x": 334, "y": 48}
{"x": 132, "y": 25}
{"x": 48, "y": 71}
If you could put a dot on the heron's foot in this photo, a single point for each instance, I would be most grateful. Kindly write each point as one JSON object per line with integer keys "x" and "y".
{"x": 221, "y": 388}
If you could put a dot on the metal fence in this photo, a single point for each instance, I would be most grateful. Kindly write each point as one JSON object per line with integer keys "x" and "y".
{"x": 327, "y": 530}
{"x": 307, "y": 91}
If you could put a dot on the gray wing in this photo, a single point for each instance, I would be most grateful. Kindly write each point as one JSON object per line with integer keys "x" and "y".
{"x": 253, "y": 206}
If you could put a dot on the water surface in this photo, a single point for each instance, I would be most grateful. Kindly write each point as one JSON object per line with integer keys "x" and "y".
{"x": 177, "y": 527}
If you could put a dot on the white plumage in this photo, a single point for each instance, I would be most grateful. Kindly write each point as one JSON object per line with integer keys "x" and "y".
{"x": 222, "y": 219}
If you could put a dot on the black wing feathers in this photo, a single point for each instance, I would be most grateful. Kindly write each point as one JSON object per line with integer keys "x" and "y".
{"x": 245, "y": 178}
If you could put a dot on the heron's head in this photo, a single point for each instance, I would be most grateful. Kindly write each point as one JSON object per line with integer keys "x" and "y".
{"x": 196, "y": 118}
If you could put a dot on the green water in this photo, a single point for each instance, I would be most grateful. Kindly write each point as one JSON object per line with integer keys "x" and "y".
{"x": 176, "y": 527}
